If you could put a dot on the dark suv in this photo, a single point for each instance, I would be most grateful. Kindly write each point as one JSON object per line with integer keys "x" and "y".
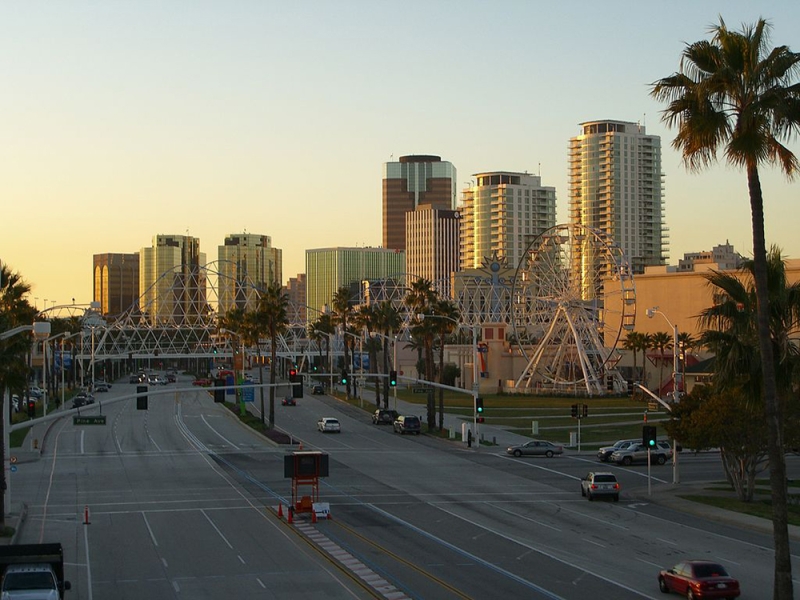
{"x": 407, "y": 425}
{"x": 384, "y": 417}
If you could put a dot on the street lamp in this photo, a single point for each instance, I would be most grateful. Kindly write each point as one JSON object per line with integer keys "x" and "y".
{"x": 651, "y": 312}
{"x": 475, "y": 392}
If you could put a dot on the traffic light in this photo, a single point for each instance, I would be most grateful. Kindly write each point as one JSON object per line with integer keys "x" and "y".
{"x": 585, "y": 410}
{"x": 31, "y": 409}
{"x": 219, "y": 391}
{"x": 343, "y": 379}
{"x": 649, "y": 435}
{"x": 214, "y": 349}
{"x": 479, "y": 410}
{"x": 392, "y": 378}
{"x": 292, "y": 375}
{"x": 141, "y": 397}
{"x": 574, "y": 411}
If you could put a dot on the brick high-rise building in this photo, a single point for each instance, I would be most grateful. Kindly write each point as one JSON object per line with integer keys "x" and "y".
{"x": 414, "y": 181}
{"x": 116, "y": 282}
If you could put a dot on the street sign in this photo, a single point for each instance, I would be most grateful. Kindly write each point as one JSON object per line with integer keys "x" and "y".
{"x": 652, "y": 406}
{"x": 420, "y": 390}
{"x": 89, "y": 420}
{"x": 249, "y": 393}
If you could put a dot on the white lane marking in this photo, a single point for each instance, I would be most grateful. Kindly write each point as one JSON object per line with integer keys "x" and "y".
{"x": 83, "y": 437}
{"x": 88, "y": 562}
{"x": 511, "y": 512}
{"x": 218, "y": 433}
{"x": 150, "y": 529}
{"x": 241, "y": 560}
{"x": 164, "y": 562}
{"x": 667, "y": 541}
{"x": 593, "y": 542}
{"x": 224, "y": 539}
{"x": 261, "y": 583}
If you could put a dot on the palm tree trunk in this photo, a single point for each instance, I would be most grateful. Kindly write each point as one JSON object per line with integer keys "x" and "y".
{"x": 272, "y": 377}
{"x": 386, "y": 370}
{"x": 441, "y": 380}
{"x": 777, "y": 465}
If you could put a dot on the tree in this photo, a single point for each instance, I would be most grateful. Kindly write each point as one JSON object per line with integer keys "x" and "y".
{"x": 324, "y": 328}
{"x": 713, "y": 418}
{"x": 661, "y": 341}
{"x": 420, "y": 301}
{"x": 445, "y": 326}
{"x": 272, "y": 317}
{"x": 737, "y": 94}
{"x": 387, "y": 321}
{"x": 343, "y": 312}
{"x": 686, "y": 342}
{"x": 364, "y": 318}
{"x": 15, "y": 311}
{"x": 631, "y": 343}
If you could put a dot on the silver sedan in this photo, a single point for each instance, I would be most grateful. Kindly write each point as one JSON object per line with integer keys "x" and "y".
{"x": 536, "y": 448}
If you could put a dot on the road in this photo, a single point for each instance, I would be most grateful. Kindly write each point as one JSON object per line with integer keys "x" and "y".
{"x": 182, "y": 500}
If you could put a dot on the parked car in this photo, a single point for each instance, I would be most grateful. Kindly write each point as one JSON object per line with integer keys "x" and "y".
{"x": 600, "y": 484}
{"x": 35, "y": 392}
{"x": 536, "y": 448}
{"x": 604, "y": 453}
{"x": 329, "y": 424}
{"x": 384, "y": 417}
{"x": 134, "y": 379}
{"x": 203, "y": 382}
{"x": 637, "y": 453}
{"x": 318, "y": 390}
{"x": 407, "y": 424}
{"x": 289, "y": 401}
{"x": 101, "y": 386}
{"x": 699, "y": 579}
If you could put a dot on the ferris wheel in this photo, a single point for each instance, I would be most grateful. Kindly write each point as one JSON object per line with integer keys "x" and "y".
{"x": 573, "y": 297}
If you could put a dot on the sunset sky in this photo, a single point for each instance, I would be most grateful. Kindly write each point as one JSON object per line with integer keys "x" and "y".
{"x": 123, "y": 120}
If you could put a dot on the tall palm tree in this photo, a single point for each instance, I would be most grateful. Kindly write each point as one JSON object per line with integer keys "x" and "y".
{"x": 445, "y": 326}
{"x": 645, "y": 344}
{"x": 272, "y": 316}
{"x": 364, "y": 319}
{"x": 388, "y": 321}
{"x": 325, "y": 327}
{"x": 420, "y": 300}
{"x": 15, "y": 310}
{"x": 632, "y": 344}
{"x": 661, "y": 341}
{"x": 737, "y": 94}
{"x": 686, "y": 342}
{"x": 343, "y": 312}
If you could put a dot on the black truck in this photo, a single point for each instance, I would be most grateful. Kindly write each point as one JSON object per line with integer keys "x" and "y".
{"x": 33, "y": 571}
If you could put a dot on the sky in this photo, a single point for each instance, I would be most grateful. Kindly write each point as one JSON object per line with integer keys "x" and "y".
{"x": 127, "y": 119}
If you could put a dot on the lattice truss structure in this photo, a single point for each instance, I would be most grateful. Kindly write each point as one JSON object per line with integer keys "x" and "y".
{"x": 574, "y": 296}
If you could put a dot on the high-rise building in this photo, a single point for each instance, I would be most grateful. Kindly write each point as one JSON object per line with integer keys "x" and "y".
{"x": 116, "y": 282}
{"x": 616, "y": 187}
{"x": 172, "y": 284}
{"x": 247, "y": 262}
{"x": 328, "y": 269}
{"x": 432, "y": 242}
{"x": 414, "y": 181}
{"x": 296, "y": 290}
{"x": 501, "y": 214}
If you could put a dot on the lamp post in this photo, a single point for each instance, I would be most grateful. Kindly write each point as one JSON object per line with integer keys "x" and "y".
{"x": 651, "y": 312}
{"x": 353, "y": 358}
{"x": 475, "y": 391}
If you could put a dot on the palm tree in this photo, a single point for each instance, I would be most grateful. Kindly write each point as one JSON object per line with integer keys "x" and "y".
{"x": 273, "y": 320}
{"x": 420, "y": 301}
{"x": 364, "y": 319}
{"x": 15, "y": 310}
{"x": 661, "y": 341}
{"x": 324, "y": 327}
{"x": 387, "y": 321}
{"x": 343, "y": 311}
{"x": 632, "y": 343}
{"x": 686, "y": 342}
{"x": 736, "y": 93}
{"x": 445, "y": 326}
{"x": 645, "y": 344}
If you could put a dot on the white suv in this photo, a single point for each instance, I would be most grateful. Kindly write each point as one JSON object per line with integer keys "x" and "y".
{"x": 638, "y": 453}
{"x": 329, "y": 424}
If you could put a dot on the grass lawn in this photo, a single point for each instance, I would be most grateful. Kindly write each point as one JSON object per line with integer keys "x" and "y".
{"x": 761, "y": 506}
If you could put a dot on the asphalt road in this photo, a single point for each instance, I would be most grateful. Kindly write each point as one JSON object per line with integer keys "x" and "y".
{"x": 182, "y": 502}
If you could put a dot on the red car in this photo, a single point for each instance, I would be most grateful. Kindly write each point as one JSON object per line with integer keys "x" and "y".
{"x": 289, "y": 401}
{"x": 698, "y": 579}
{"x": 202, "y": 382}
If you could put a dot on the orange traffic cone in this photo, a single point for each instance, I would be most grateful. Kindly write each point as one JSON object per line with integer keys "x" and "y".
{"x": 301, "y": 446}
{"x": 280, "y": 511}
{"x": 290, "y": 519}
{"x": 313, "y": 516}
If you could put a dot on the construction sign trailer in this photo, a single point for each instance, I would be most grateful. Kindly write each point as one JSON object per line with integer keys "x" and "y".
{"x": 304, "y": 469}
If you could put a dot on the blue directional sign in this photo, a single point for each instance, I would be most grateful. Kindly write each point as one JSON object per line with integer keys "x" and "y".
{"x": 249, "y": 393}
